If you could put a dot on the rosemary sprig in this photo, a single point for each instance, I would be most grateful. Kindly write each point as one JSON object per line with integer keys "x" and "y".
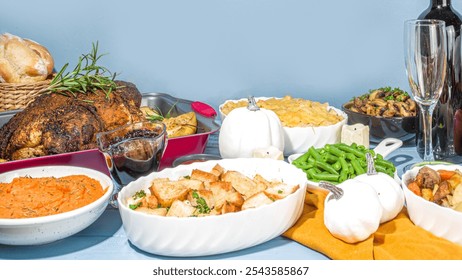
{"x": 87, "y": 77}
{"x": 154, "y": 117}
{"x": 159, "y": 116}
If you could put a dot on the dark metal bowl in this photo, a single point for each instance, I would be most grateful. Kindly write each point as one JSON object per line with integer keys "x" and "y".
{"x": 403, "y": 128}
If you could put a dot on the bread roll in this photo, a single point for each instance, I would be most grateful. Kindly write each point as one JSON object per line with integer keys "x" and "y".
{"x": 23, "y": 60}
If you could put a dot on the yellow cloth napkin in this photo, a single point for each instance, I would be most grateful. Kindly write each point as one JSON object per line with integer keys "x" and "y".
{"x": 398, "y": 239}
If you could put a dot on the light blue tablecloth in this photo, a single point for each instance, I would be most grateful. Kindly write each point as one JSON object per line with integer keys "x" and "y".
{"x": 106, "y": 239}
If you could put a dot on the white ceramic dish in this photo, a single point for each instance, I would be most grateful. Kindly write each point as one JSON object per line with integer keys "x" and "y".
{"x": 201, "y": 236}
{"x": 41, "y": 230}
{"x": 439, "y": 220}
{"x": 299, "y": 139}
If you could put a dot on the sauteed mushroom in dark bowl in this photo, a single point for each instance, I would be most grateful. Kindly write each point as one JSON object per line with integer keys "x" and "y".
{"x": 389, "y": 112}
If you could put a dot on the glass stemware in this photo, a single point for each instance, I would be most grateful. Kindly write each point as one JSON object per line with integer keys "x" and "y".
{"x": 426, "y": 61}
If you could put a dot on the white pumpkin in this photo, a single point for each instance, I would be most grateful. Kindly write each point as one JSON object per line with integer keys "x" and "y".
{"x": 249, "y": 128}
{"x": 388, "y": 190}
{"x": 355, "y": 214}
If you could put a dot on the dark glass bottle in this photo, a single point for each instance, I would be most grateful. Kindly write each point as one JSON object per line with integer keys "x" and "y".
{"x": 447, "y": 116}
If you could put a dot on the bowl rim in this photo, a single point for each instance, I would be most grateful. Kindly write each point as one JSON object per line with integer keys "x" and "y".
{"x": 109, "y": 187}
{"x": 194, "y": 157}
{"x": 347, "y": 110}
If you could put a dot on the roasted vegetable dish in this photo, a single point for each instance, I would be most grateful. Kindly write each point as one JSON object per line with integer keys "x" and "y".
{"x": 443, "y": 187}
{"x": 384, "y": 102}
{"x": 177, "y": 126}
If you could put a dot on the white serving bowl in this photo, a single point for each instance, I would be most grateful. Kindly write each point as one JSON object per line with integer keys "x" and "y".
{"x": 201, "y": 236}
{"x": 299, "y": 139}
{"x": 439, "y": 220}
{"x": 42, "y": 230}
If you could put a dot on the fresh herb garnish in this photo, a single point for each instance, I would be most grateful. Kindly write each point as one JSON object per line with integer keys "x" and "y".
{"x": 159, "y": 116}
{"x": 139, "y": 194}
{"x": 154, "y": 117}
{"x": 134, "y": 206}
{"x": 87, "y": 77}
{"x": 389, "y": 97}
{"x": 402, "y": 96}
{"x": 202, "y": 206}
{"x": 384, "y": 89}
{"x": 393, "y": 92}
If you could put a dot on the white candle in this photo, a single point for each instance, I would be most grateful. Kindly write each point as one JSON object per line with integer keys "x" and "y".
{"x": 356, "y": 133}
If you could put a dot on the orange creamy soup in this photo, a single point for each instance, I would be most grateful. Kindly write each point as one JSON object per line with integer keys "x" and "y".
{"x": 27, "y": 197}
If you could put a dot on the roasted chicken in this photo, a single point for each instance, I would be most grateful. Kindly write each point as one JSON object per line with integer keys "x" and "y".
{"x": 54, "y": 123}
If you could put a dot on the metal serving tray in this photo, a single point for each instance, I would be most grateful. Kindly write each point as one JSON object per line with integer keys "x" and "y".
{"x": 185, "y": 145}
{"x": 176, "y": 147}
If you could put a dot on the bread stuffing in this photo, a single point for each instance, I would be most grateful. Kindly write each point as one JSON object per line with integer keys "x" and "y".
{"x": 206, "y": 193}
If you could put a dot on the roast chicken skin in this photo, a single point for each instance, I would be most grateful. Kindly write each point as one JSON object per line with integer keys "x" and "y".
{"x": 54, "y": 123}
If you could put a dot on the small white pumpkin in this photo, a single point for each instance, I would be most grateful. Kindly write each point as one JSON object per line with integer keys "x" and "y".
{"x": 352, "y": 210}
{"x": 249, "y": 128}
{"x": 268, "y": 152}
{"x": 389, "y": 191}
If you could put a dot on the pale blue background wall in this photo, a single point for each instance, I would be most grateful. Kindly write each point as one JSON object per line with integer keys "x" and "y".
{"x": 213, "y": 50}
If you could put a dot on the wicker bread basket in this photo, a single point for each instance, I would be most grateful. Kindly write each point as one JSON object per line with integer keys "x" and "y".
{"x": 14, "y": 96}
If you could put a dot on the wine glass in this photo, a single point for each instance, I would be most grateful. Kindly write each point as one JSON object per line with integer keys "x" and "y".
{"x": 426, "y": 59}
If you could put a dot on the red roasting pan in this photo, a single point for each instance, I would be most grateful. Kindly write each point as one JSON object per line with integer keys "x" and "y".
{"x": 176, "y": 147}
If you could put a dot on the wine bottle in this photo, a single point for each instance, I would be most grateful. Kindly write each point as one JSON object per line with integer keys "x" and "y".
{"x": 446, "y": 133}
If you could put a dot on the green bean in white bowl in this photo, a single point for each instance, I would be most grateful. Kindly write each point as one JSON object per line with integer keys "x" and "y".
{"x": 336, "y": 163}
